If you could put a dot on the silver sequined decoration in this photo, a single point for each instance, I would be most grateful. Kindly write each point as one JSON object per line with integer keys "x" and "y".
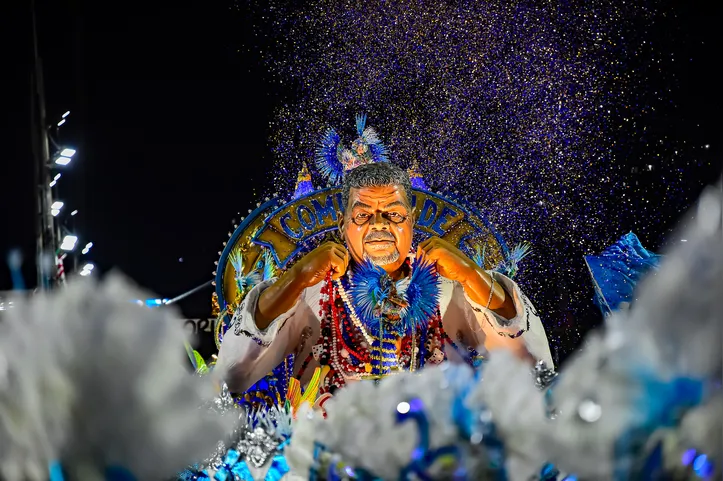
{"x": 224, "y": 402}
{"x": 216, "y": 459}
{"x": 544, "y": 376}
{"x": 257, "y": 446}
{"x": 256, "y": 436}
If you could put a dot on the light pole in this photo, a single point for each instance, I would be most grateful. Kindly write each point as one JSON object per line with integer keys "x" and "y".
{"x": 46, "y": 241}
{"x": 47, "y": 229}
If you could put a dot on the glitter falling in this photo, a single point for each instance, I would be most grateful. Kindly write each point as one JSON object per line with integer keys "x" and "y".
{"x": 519, "y": 105}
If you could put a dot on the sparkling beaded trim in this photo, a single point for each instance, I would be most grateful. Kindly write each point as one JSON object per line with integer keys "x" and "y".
{"x": 352, "y": 313}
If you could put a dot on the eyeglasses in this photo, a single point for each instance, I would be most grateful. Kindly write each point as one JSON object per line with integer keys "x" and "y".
{"x": 393, "y": 217}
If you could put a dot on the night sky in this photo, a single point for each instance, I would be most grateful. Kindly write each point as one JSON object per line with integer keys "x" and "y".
{"x": 170, "y": 109}
{"x": 169, "y": 123}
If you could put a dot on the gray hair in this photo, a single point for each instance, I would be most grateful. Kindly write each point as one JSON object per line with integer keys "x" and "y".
{"x": 376, "y": 174}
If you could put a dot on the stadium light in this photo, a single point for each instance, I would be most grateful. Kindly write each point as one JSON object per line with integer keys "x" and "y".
{"x": 87, "y": 269}
{"x": 65, "y": 156}
{"x": 69, "y": 242}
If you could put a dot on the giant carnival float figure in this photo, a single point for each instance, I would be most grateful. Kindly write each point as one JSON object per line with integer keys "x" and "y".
{"x": 370, "y": 276}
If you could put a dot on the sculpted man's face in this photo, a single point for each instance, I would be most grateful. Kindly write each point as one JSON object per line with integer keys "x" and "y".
{"x": 378, "y": 225}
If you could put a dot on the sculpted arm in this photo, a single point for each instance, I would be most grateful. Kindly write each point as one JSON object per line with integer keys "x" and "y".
{"x": 270, "y": 321}
{"x": 501, "y": 311}
{"x": 478, "y": 284}
{"x": 310, "y": 270}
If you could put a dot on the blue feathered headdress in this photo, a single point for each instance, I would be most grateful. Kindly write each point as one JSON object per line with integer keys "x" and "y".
{"x": 333, "y": 160}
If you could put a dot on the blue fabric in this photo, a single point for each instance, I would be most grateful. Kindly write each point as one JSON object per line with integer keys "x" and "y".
{"x": 617, "y": 270}
{"x": 278, "y": 469}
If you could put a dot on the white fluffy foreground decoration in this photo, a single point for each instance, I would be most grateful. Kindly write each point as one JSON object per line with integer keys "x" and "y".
{"x": 92, "y": 380}
{"x": 612, "y": 386}
{"x": 619, "y": 388}
{"x": 361, "y": 424}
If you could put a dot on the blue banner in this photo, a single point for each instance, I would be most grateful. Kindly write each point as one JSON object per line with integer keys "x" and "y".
{"x": 617, "y": 270}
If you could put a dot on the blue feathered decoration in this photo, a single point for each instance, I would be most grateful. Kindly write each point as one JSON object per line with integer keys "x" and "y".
{"x": 369, "y": 136}
{"x": 379, "y": 152}
{"x": 422, "y": 294}
{"x": 243, "y": 281}
{"x": 361, "y": 122}
{"x": 370, "y": 287}
{"x": 328, "y": 157}
{"x": 403, "y": 305}
{"x": 332, "y": 160}
{"x": 269, "y": 267}
{"x": 237, "y": 261}
{"x": 617, "y": 271}
{"x": 510, "y": 265}
{"x": 479, "y": 256}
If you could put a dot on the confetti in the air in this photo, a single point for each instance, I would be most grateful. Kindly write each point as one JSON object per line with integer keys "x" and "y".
{"x": 520, "y": 106}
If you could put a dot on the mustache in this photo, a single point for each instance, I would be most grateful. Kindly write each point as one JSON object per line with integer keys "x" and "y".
{"x": 379, "y": 235}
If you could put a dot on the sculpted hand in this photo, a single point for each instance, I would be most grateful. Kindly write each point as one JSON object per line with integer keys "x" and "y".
{"x": 328, "y": 257}
{"x": 451, "y": 262}
{"x": 454, "y": 265}
{"x": 307, "y": 272}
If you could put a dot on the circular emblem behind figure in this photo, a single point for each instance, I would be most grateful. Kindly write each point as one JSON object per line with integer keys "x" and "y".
{"x": 274, "y": 236}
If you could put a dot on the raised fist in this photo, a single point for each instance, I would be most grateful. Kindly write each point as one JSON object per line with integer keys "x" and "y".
{"x": 451, "y": 262}
{"x": 328, "y": 257}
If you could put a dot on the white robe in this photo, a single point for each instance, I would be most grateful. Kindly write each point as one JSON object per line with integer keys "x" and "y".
{"x": 248, "y": 354}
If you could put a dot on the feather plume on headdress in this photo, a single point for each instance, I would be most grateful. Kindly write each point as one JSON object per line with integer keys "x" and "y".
{"x": 90, "y": 381}
{"x": 333, "y": 160}
{"x": 368, "y": 136}
{"x": 328, "y": 156}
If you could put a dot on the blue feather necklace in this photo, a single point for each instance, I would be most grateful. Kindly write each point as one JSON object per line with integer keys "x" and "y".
{"x": 397, "y": 308}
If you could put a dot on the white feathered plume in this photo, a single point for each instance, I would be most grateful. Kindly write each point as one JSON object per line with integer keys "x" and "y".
{"x": 90, "y": 379}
